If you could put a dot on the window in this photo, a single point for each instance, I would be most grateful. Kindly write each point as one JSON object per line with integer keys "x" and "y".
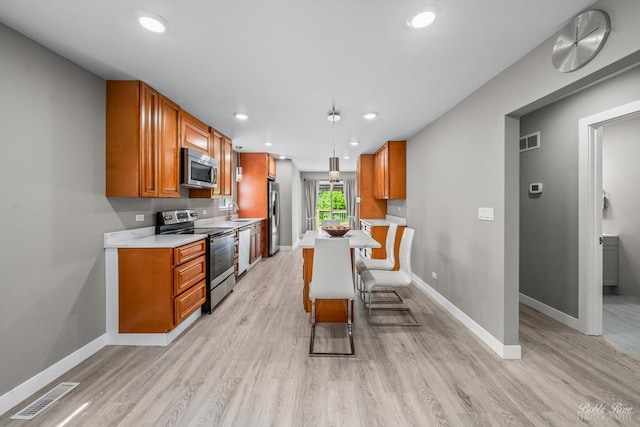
{"x": 223, "y": 204}
{"x": 331, "y": 203}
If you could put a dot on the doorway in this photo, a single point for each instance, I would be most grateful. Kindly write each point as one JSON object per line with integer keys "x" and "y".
{"x": 331, "y": 205}
{"x": 591, "y": 204}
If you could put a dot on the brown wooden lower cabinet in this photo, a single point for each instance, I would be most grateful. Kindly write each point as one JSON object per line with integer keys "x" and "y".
{"x": 159, "y": 287}
{"x": 328, "y": 310}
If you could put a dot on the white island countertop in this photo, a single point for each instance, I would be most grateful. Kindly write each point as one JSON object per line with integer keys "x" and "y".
{"x": 357, "y": 239}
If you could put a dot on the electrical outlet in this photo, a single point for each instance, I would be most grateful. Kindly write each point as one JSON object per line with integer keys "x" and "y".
{"x": 140, "y": 217}
{"x": 204, "y": 211}
{"x": 434, "y": 275}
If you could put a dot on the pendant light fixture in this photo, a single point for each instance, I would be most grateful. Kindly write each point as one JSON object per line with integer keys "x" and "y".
{"x": 334, "y": 162}
{"x": 238, "y": 168}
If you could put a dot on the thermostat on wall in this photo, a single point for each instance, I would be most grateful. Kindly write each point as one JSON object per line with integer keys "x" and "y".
{"x": 535, "y": 188}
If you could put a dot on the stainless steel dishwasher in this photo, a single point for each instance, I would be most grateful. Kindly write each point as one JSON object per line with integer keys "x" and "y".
{"x": 244, "y": 245}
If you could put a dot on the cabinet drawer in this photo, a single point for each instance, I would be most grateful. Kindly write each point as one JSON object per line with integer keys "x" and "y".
{"x": 187, "y": 274}
{"x": 190, "y": 301}
{"x": 186, "y": 252}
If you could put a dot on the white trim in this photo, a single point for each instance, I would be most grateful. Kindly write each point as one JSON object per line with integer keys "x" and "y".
{"x": 161, "y": 340}
{"x": 590, "y": 214}
{"x": 561, "y": 317}
{"x": 37, "y": 382}
{"x": 504, "y": 351}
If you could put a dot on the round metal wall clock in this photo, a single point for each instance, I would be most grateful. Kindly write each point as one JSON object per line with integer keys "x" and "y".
{"x": 580, "y": 40}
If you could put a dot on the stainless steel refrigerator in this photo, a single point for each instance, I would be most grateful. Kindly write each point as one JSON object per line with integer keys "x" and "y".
{"x": 273, "y": 225}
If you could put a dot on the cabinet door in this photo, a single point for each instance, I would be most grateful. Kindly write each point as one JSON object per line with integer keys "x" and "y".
{"x": 217, "y": 153}
{"x": 189, "y": 301}
{"x": 168, "y": 145}
{"x": 194, "y": 133}
{"x": 187, "y": 274}
{"x": 227, "y": 170}
{"x": 149, "y": 100}
{"x": 271, "y": 169}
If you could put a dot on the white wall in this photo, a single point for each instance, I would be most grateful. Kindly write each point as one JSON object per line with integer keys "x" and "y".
{"x": 468, "y": 159}
{"x": 620, "y": 178}
{"x": 549, "y": 221}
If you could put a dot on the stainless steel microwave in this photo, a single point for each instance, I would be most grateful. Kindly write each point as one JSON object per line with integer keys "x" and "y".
{"x": 198, "y": 169}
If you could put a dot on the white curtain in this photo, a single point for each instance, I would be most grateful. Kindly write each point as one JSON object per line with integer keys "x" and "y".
{"x": 310, "y": 202}
{"x": 350, "y": 199}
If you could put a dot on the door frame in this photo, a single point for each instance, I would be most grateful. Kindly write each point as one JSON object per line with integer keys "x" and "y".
{"x": 590, "y": 213}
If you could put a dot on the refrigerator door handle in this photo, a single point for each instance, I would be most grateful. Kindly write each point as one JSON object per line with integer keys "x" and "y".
{"x": 276, "y": 208}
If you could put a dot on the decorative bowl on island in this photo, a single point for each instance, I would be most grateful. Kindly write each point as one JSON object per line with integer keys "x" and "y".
{"x": 336, "y": 230}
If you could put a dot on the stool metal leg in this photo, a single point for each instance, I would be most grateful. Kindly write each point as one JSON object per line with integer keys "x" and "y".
{"x": 352, "y": 353}
{"x": 371, "y": 309}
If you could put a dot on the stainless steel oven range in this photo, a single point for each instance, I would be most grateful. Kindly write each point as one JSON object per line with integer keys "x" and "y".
{"x": 220, "y": 251}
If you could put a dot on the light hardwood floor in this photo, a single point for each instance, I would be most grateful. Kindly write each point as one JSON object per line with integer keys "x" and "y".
{"x": 247, "y": 365}
{"x": 621, "y": 321}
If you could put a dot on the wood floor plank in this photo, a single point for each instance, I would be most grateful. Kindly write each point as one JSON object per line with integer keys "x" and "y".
{"x": 246, "y": 364}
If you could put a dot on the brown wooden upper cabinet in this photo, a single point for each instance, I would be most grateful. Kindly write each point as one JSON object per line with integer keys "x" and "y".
{"x": 368, "y": 206}
{"x": 252, "y": 191}
{"x": 142, "y": 148}
{"x": 194, "y": 133}
{"x": 271, "y": 170}
{"x": 389, "y": 171}
{"x": 222, "y": 151}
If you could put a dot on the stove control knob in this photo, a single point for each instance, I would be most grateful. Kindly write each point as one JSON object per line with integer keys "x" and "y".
{"x": 168, "y": 217}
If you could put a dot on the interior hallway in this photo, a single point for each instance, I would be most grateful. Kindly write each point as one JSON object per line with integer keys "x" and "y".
{"x": 247, "y": 365}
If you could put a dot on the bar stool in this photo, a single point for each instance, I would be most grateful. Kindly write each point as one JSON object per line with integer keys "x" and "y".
{"x": 364, "y": 264}
{"x": 332, "y": 278}
{"x": 372, "y": 279}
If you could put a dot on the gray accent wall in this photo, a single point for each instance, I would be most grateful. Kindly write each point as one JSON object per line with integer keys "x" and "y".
{"x": 549, "y": 221}
{"x": 53, "y": 211}
{"x": 467, "y": 159}
{"x": 620, "y": 181}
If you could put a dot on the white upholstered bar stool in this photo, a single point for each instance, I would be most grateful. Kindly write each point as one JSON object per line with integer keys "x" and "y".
{"x": 364, "y": 264}
{"x": 372, "y": 279}
{"x": 331, "y": 278}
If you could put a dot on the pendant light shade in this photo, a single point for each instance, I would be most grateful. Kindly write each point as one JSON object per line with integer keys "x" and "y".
{"x": 334, "y": 162}
{"x": 334, "y": 169}
{"x": 239, "y": 170}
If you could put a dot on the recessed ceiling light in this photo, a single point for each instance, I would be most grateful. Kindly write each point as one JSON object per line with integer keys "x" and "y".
{"x": 422, "y": 19}
{"x": 241, "y": 116}
{"x": 346, "y": 156}
{"x": 153, "y": 22}
{"x": 282, "y": 156}
{"x": 268, "y": 143}
{"x": 370, "y": 116}
{"x": 354, "y": 143}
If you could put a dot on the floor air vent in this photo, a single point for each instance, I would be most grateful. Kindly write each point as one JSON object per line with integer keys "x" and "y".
{"x": 44, "y": 402}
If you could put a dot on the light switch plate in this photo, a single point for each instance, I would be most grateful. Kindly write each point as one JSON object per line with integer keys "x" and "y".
{"x": 485, "y": 214}
{"x": 204, "y": 211}
{"x": 140, "y": 217}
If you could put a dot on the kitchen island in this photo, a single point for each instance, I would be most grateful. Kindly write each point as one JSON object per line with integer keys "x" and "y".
{"x": 329, "y": 310}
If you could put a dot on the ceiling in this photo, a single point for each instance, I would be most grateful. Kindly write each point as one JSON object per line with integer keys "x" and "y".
{"x": 286, "y": 63}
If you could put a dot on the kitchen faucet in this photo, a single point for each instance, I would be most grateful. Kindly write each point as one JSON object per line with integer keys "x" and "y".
{"x": 231, "y": 205}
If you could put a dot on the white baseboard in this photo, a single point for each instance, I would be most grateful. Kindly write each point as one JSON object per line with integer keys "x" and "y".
{"x": 159, "y": 340}
{"x": 504, "y": 351}
{"x": 561, "y": 317}
{"x": 32, "y": 385}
